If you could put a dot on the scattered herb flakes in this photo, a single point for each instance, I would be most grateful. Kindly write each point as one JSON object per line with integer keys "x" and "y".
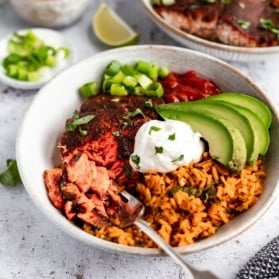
{"x": 175, "y": 189}
{"x": 148, "y": 103}
{"x": 159, "y": 150}
{"x": 76, "y": 121}
{"x": 245, "y": 24}
{"x": 269, "y": 25}
{"x": 116, "y": 133}
{"x": 134, "y": 113}
{"x": 171, "y": 137}
{"x": 180, "y": 158}
{"x": 127, "y": 170}
{"x": 154, "y": 129}
{"x": 136, "y": 160}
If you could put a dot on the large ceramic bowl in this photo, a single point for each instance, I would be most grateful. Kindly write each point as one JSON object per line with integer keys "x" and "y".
{"x": 222, "y": 51}
{"x": 44, "y": 121}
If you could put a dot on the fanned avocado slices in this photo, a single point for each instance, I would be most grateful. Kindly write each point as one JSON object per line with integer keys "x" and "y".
{"x": 240, "y": 118}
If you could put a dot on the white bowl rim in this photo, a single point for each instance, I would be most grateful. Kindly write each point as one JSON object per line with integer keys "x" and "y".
{"x": 66, "y": 226}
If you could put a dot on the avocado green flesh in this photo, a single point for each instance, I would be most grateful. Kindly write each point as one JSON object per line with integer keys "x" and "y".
{"x": 248, "y": 102}
{"x": 261, "y": 134}
{"x": 220, "y": 109}
{"x": 226, "y": 144}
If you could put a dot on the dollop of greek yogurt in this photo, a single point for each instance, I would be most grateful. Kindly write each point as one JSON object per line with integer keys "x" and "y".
{"x": 163, "y": 146}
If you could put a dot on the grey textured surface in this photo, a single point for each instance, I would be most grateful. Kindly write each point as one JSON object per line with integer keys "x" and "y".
{"x": 32, "y": 247}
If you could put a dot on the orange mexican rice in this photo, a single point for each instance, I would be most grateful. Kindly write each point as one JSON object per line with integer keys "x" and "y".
{"x": 190, "y": 203}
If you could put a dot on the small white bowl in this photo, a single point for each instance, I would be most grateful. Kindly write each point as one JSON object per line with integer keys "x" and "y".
{"x": 56, "y": 101}
{"x": 50, "y": 13}
{"x": 222, "y": 51}
{"x": 50, "y": 37}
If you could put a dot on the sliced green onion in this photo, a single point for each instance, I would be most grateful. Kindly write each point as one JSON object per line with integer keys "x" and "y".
{"x": 163, "y": 72}
{"x": 27, "y": 54}
{"x": 113, "y": 68}
{"x": 139, "y": 79}
{"x": 144, "y": 81}
{"x": 89, "y": 89}
{"x": 155, "y": 89}
{"x": 143, "y": 67}
{"x": 10, "y": 176}
{"x": 130, "y": 81}
{"x": 118, "y": 90}
{"x": 154, "y": 72}
{"x": 107, "y": 85}
{"x": 118, "y": 78}
{"x": 129, "y": 70}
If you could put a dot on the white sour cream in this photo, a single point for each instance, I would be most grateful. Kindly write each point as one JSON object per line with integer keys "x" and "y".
{"x": 163, "y": 146}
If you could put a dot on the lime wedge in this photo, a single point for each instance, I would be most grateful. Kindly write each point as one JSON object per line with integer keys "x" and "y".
{"x": 111, "y": 29}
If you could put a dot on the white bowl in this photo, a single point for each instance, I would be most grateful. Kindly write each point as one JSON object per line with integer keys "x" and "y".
{"x": 44, "y": 121}
{"x": 222, "y": 51}
{"x": 50, "y": 13}
{"x": 51, "y": 38}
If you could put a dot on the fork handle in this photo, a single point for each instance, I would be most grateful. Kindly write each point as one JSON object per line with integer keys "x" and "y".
{"x": 192, "y": 272}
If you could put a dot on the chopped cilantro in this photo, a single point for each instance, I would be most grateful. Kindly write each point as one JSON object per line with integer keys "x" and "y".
{"x": 154, "y": 128}
{"x": 171, "y": 137}
{"x": 180, "y": 158}
{"x": 159, "y": 149}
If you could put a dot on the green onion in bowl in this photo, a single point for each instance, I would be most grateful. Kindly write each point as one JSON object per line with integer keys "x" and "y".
{"x": 31, "y": 57}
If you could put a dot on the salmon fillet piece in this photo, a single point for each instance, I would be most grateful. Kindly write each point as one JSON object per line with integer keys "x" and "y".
{"x": 110, "y": 138}
{"x": 93, "y": 165}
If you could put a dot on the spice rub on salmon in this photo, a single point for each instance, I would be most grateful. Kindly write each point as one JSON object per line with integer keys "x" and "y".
{"x": 109, "y": 138}
{"x": 245, "y": 23}
{"x": 95, "y": 157}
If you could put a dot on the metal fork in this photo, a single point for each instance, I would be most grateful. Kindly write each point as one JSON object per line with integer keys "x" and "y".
{"x": 132, "y": 212}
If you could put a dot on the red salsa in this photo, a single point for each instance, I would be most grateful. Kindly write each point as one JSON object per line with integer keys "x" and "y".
{"x": 187, "y": 87}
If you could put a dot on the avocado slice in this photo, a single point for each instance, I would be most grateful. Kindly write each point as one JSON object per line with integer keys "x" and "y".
{"x": 226, "y": 144}
{"x": 220, "y": 109}
{"x": 262, "y": 138}
{"x": 246, "y": 101}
